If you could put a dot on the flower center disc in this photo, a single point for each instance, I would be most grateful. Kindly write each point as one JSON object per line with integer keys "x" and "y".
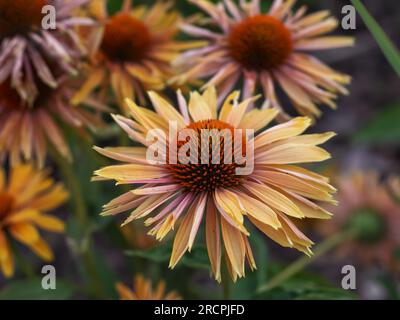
{"x": 20, "y": 16}
{"x": 126, "y": 39}
{"x": 10, "y": 100}
{"x": 6, "y": 204}
{"x": 260, "y": 42}
{"x": 207, "y": 177}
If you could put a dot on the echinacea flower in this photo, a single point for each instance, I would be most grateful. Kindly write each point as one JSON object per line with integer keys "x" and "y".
{"x": 264, "y": 51}
{"x": 143, "y": 290}
{"x": 368, "y": 207}
{"x": 28, "y": 49}
{"x": 132, "y": 50}
{"x": 25, "y": 201}
{"x": 27, "y": 131}
{"x": 182, "y": 193}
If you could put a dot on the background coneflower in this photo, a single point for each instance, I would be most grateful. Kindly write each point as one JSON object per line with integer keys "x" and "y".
{"x": 367, "y": 206}
{"x": 132, "y": 50}
{"x": 143, "y": 290}
{"x": 27, "y": 49}
{"x": 26, "y": 131}
{"x": 266, "y": 51}
{"x": 25, "y": 198}
{"x": 275, "y": 192}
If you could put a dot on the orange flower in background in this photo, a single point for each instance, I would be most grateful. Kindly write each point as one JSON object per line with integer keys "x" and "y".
{"x": 367, "y": 206}
{"x": 27, "y": 131}
{"x": 24, "y": 202}
{"x": 28, "y": 49}
{"x": 269, "y": 197}
{"x": 132, "y": 50}
{"x": 266, "y": 51}
{"x": 143, "y": 290}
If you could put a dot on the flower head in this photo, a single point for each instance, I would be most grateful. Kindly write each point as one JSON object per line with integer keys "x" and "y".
{"x": 27, "y": 130}
{"x": 186, "y": 192}
{"x": 25, "y": 199}
{"x": 368, "y": 207}
{"x": 143, "y": 290}
{"x": 132, "y": 50}
{"x": 266, "y": 50}
{"x": 26, "y": 48}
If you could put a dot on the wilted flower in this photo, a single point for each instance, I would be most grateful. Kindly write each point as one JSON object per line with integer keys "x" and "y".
{"x": 143, "y": 290}
{"x": 26, "y": 131}
{"x": 133, "y": 50}
{"x": 366, "y": 206}
{"x": 275, "y": 191}
{"x": 24, "y": 202}
{"x": 266, "y": 51}
{"x": 27, "y": 49}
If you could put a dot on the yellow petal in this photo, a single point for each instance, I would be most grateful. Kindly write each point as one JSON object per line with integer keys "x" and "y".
{"x": 42, "y": 250}
{"x": 49, "y": 223}
{"x": 25, "y": 233}
{"x": 234, "y": 246}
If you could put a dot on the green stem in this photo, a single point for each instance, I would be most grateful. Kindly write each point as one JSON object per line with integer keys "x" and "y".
{"x": 82, "y": 219}
{"x": 25, "y": 266}
{"x": 304, "y": 261}
{"x": 226, "y": 283}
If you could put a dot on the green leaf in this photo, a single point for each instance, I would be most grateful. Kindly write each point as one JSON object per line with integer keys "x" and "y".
{"x": 383, "y": 128}
{"x": 32, "y": 290}
{"x": 157, "y": 254}
{"x": 388, "y": 48}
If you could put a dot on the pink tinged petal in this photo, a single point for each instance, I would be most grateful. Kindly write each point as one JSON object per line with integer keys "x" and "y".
{"x": 226, "y": 87}
{"x": 199, "y": 32}
{"x": 174, "y": 208}
{"x": 138, "y": 157}
{"x": 132, "y": 172}
{"x": 164, "y": 109}
{"x": 183, "y": 107}
{"x": 274, "y": 199}
{"x": 230, "y": 208}
{"x": 249, "y": 253}
{"x": 224, "y": 73}
{"x": 311, "y": 19}
{"x": 41, "y": 68}
{"x": 309, "y": 208}
{"x": 308, "y": 189}
{"x": 133, "y": 134}
{"x": 268, "y": 86}
{"x": 238, "y": 111}
{"x": 283, "y": 131}
{"x": 54, "y": 134}
{"x": 249, "y": 85}
{"x": 182, "y": 237}
{"x": 280, "y": 9}
{"x": 233, "y": 10}
{"x": 292, "y": 153}
{"x": 148, "y": 206}
{"x": 316, "y": 29}
{"x": 235, "y": 247}
{"x": 197, "y": 218}
{"x": 157, "y": 190}
{"x": 123, "y": 208}
{"x": 213, "y": 239}
{"x": 259, "y": 210}
{"x": 322, "y": 43}
{"x": 297, "y": 94}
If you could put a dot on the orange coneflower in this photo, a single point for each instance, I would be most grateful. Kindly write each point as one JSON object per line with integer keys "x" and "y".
{"x": 275, "y": 191}
{"x": 26, "y": 48}
{"x": 143, "y": 290}
{"x": 266, "y": 50}
{"x": 366, "y": 205}
{"x": 132, "y": 50}
{"x": 25, "y": 130}
{"x": 24, "y": 202}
